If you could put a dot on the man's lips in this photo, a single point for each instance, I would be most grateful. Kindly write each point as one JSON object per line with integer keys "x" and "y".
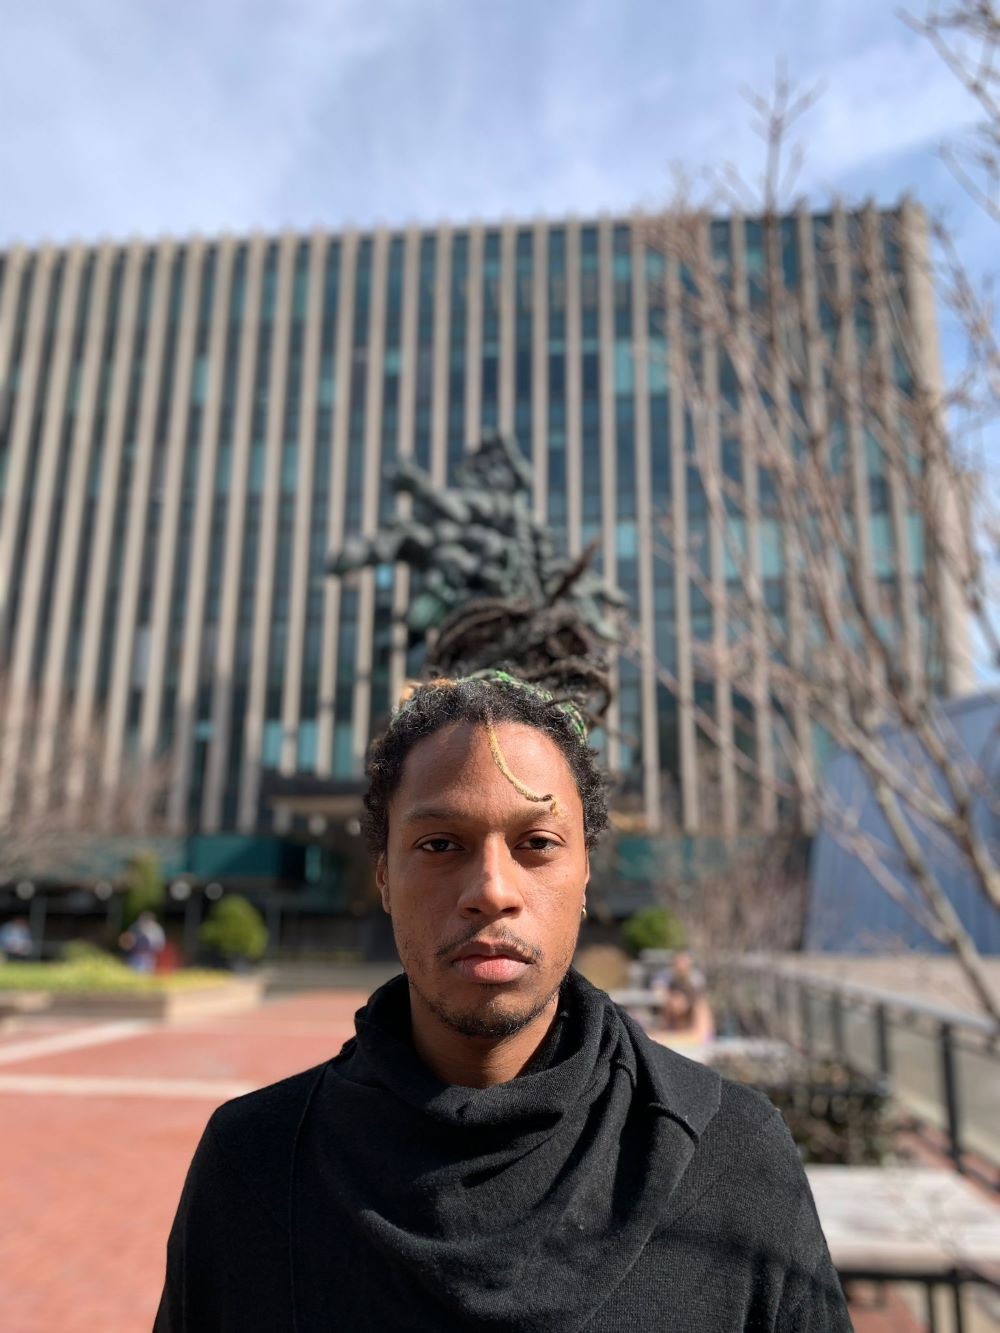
{"x": 484, "y": 949}
{"x": 490, "y": 963}
{"x": 490, "y": 968}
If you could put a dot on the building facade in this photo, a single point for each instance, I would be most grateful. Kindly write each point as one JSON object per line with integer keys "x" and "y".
{"x": 188, "y": 428}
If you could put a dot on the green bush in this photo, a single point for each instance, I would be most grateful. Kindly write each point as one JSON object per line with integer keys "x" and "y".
{"x": 145, "y": 890}
{"x": 652, "y": 928}
{"x": 85, "y": 951}
{"x": 234, "y": 929}
{"x": 97, "y": 975}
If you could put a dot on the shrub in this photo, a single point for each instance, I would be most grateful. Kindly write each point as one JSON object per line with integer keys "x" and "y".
{"x": 652, "y": 928}
{"x": 85, "y": 951}
{"x": 234, "y": 929}
{"x": 97, "y": 976}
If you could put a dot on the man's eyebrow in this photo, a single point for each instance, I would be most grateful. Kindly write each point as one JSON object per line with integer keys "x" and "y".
{"x": 421, "y": 812}
{"x": 448, "y": 813}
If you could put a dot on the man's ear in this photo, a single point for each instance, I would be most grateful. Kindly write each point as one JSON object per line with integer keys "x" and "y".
{"x": 586, "y": 865}
{"x": 382, "y": 881}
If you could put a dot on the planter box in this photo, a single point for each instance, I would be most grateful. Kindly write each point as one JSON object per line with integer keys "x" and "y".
{"x": 14, "y": 1003}
{"x": 235, "y": 995}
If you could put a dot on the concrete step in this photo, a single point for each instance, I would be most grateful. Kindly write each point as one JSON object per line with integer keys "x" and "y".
{"x": 288, "y": 977}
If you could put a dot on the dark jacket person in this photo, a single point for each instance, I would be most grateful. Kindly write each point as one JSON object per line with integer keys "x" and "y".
{"x": 499, "y": 1147}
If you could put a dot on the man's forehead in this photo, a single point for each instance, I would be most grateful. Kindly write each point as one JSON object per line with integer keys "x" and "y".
{"x": 455, "y": 769}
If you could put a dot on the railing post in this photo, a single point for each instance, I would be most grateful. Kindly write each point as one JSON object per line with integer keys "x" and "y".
{"x": 192, "y": 919}
{"x": 780, "y": 1010}
{"x": 37, "y": 913}
{"x": 957, "y": 1304}
{"x": 273, "y": 926}
{"x": 931, "y": 1307}
{"x": 882, "y": 1056}
{"x": 805, "y": 1015}
{"x": 949, "y": 1084}
{"x": 837, "y": 1024}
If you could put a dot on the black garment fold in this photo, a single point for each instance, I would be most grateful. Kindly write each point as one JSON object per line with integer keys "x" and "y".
{"x": 615, "y": 1185}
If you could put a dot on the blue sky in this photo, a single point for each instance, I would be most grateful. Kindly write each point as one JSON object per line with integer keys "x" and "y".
{"x": 143, "y": 117}
{"x": 127, "y": 117}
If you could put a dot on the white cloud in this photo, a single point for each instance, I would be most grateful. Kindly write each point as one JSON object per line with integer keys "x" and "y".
{"x": 883, "y": 101}
{"x": 123, "y": 118}
{"x": 145, "y": 120}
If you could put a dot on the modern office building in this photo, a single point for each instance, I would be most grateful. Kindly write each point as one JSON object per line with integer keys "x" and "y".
{"x": 187, "y": 428}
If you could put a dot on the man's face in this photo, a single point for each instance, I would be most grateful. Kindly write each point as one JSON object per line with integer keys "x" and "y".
{"x": 484, "y": 886}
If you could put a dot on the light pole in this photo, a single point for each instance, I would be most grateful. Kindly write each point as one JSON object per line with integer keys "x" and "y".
{"x": 180, "y": 891}
{"x": 37, "y": 908}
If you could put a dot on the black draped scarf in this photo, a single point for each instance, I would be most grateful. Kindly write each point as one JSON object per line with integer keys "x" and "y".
{"x": 425, "y": 1206}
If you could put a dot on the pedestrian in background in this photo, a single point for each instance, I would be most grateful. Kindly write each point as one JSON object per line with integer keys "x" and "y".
{"x": 143, "y": 942}
{"x": 16, "y": 943}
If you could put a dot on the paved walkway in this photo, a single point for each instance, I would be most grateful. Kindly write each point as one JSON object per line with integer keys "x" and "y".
{"x": 99, "y": 1123}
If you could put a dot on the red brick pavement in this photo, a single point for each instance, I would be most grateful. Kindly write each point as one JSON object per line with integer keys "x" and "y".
{"x": 90, "y": 1182}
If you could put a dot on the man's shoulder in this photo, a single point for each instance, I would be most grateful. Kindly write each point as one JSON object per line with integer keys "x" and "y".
{"x": 730, "y": 1108}
{"x": 251, "y": 1141}
{"x": 749, "y": 1122}
{"x": 745, "y": 1151}
{"x": 268, "y": 1113}
{"x": 732, "y": 1122}
{"x": 687, "y": 1089}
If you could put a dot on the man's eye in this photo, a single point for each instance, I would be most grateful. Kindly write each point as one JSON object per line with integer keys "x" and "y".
{"x": 437, "y": 845}
{"x": 539, "y": 843}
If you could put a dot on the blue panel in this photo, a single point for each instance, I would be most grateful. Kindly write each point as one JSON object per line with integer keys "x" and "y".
{"x": 848, "y": 908}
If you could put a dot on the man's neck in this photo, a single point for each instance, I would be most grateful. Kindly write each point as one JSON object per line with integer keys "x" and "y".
{"x": 476, "y": 1062}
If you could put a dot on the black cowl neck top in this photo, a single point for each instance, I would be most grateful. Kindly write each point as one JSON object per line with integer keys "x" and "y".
{"x": 513, "y": 1207}
{"x": 614, "y": 1187}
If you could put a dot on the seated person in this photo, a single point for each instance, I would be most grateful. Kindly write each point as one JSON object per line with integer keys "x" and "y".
{"x": 682, "y": 968}
{"x": 686, "y": 1012}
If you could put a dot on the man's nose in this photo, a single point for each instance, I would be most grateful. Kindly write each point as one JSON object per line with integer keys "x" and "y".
{"x": 491, "y": 889}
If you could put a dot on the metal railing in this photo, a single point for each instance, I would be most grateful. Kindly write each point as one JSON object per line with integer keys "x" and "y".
{"x": 956, "y": 1301}
{"x": 943, "y": 1065}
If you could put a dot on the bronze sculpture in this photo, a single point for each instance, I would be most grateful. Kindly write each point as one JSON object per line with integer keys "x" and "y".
{"x": 492, "y": 586}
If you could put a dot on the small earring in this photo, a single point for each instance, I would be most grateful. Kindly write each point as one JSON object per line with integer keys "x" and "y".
{"x": 583, "y": 912}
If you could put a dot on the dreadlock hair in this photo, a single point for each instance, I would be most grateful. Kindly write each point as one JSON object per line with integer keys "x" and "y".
{"x": 550, "y": 645}
{"x": 487, "y": 701}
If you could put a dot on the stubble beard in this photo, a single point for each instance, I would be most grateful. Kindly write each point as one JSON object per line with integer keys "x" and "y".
{"x": 489, "y": 1019}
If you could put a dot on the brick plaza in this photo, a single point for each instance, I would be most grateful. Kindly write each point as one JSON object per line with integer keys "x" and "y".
{"x": 98, "y": 1123}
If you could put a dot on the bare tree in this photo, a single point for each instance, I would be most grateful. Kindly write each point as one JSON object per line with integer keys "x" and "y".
{"x": 850, "y": 552}
{"x": 966, "y": 36}
{"x": 740, "y": 907}
{"x": 47, "y": 830}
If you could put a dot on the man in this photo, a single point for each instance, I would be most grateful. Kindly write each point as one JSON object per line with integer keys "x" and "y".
{"x": 685, "y": 1012}
{"x": 499, "y": 1147}
{"x": 143, "y": 942}
{"x": 683, "y": 970}
{"x": 16, "y": 944}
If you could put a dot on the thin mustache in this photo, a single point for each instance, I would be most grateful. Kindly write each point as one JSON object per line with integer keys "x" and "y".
{"x": 506, "y": 940}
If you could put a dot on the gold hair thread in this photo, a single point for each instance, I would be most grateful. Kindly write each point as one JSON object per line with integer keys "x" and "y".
{"x": 446, "y": 683}
{"x": 516, "y": 783}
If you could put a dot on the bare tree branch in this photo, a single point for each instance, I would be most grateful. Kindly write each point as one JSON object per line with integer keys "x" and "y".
{"x": 881, "y": 546}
